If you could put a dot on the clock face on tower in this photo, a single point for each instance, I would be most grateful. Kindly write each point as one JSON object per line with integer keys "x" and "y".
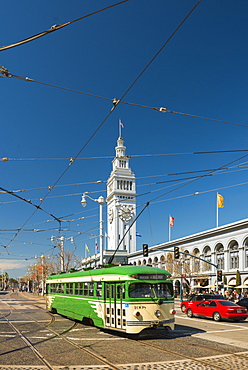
{"x": 125, "y": 213}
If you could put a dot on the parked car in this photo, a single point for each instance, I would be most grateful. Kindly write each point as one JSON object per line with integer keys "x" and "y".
{"x": 217, "y": 310}
{"x": 197, "y": 298}
{"x": 243, "y": 302}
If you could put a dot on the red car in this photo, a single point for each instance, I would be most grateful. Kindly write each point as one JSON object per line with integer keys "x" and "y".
{"x": 197, "y": 298}
{"x": 217, "y": 310}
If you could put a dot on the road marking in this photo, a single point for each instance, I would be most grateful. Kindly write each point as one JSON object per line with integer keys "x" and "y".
{"x": 215, "y": 322}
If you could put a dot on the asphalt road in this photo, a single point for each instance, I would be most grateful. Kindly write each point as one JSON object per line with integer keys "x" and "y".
{"x": 31, "y": 338}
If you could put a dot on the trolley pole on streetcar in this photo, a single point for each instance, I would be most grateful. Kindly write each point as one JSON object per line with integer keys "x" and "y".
{"x": 101, "y": 201}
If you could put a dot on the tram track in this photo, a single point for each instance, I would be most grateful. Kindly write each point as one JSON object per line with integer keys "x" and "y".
{"x": 224, "y": 352}
{"x": 195, "y": 361}
{"x": 56, "y": 334}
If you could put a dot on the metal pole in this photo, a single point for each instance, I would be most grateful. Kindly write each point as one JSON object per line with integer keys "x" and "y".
{"x": 42, "y": 276}
{"x": 217, "y": 215}
{"x": 217, "y": 287}
{"x": 62, "y": 262}
{"x": 101, "y": 202}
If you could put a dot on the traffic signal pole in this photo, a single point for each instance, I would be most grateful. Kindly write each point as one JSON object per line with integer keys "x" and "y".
{"x": 210, "y": 263}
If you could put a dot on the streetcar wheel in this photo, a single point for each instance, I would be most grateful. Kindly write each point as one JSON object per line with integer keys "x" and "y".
{"x": 189, "y": 313}
{"x": 216, "y": 316}
{"x": 183, "y": 308}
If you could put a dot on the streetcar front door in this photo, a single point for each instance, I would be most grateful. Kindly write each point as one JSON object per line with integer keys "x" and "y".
{"x": 115, "y": 310}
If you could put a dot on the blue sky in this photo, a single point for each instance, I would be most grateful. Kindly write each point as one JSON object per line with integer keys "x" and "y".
{"x": 202, "y": 71}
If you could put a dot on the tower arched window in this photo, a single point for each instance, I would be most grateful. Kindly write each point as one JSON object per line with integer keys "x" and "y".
{"x": 234, "y": 254}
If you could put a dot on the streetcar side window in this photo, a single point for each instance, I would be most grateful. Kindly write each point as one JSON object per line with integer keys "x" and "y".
{"x": 107, "y": 291}
{"x": 69, "y": 288}
{"x": 86, "y": 289}
{"x": 78, "y": 288}
{"x": 58, "y": 288}
{"x": 52, "y": 288}
{"x": 99, "y": 289}
{"x": 120, "y": 292}
{"x": 91, "y": 289}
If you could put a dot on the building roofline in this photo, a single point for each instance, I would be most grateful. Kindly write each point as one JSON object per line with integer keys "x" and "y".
{"x": 190, "y": 238}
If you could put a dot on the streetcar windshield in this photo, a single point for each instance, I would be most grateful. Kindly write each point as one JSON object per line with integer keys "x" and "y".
{"x": 146, "y": 290}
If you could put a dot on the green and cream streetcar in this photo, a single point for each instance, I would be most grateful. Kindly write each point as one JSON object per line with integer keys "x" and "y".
{"x": 124, "y": 298}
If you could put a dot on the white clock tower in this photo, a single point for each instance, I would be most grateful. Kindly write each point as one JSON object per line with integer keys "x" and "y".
{"x": 121, "y": 202}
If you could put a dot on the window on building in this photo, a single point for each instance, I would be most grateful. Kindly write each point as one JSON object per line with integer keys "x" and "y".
{"x": 195, "y": 261}
{"x": 207, "y": 257}
{"x": 234, "y": 254}
{"x": 220, "y": 256}
{"x": 246, "y": 252}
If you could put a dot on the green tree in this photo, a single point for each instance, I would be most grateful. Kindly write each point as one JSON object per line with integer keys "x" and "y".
{"x": 238, "y": 281}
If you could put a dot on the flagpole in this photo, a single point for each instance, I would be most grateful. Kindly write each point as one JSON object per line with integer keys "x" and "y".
{"x": 169, "y": 229}
{"x": 217, "y": 211}
{"x": 119, "y": 128}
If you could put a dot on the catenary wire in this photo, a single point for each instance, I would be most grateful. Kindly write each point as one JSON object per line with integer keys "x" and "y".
{"x": 57, "y": 27}
{"x": 5, "y": 72}
{"x": 200, "y": 177}
{"x": 160, "y": 201}
{"x": 108, "y": 115}
{"x": 5, "y": 159}
{"x": 221, "y": 172}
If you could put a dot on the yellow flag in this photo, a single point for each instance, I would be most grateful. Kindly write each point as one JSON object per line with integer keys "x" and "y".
{"x": 220, "y": 200}
{"x": 87, "y": 248}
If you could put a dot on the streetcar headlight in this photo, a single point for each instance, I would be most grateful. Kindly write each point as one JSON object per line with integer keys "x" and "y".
{"x": 157, "y": 313}
{"x": 173, "y": 312}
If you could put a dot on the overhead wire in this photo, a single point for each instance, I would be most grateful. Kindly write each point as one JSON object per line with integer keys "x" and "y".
{"x": 118, "y": 101}
{"x": 224, "y": 170}
{"x": 111, "y": 111}
{"x": 57, "y": 27}
{"x": 139, "y": 195}
{"x": 200, "y": 177}
{"x": 5, "y": 159}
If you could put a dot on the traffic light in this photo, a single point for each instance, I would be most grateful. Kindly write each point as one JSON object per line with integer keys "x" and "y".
{"x": 176, "y": 253}
{"x": 219, "y": 275}
{"x": 145, "y": 250}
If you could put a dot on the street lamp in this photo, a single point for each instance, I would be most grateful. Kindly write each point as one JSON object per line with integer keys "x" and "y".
{"x": 101, "y": 202}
